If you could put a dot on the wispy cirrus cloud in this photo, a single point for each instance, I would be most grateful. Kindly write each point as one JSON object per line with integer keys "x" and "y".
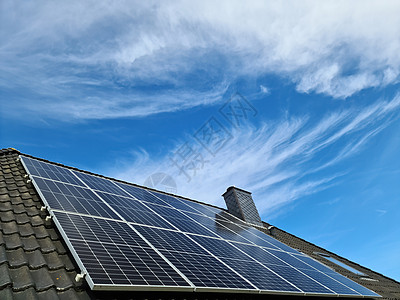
{"x": 94, "y": 59}
{"x": 279, "y": 162}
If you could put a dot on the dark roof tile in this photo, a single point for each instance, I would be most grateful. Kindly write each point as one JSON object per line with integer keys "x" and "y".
{"x": 49, "y": 294}
{"x": 2, "y": 242}
{"x": 61, "y": 279}
{"x": 19, "y": 209}
{"x": 60, "y": 247}
{"x": 32, "y": 211}
{"x": 29, "y": 203}
{"x": 53, "y": 260}
{"x": 53, "y": 234}
{"x": 25, "y": 195}
{"x": 12, "y": 186}
{"x": 37, "y": 220}
{"x": 9, "y": 227}
{"x": 21, "y": 278}
{"x": 35, "y": 259}
{"x": 68, "y": 264}
{"x": 7, "y": 216}
{"x": 3, "y": 256}
{"x": 6, "y": 294}
{"x": 14, "y": 193}
{"x": 5, "y": 278}
{"x": 16, "y": 258}
{"x": 5, "y": 206}
{"x": 40, "y": 232}
{"x": 3, "y": 191}
{"x": 42, "y": 279}
{"x": 4, "y": 197}
{"x": 26, "y": 229}
{"x": 46, "y": 245}
{"x": 12, "y": 241}
{"x": 28, "y": 294}
{"x": 71, "y": 294}
{"x": 22, "y": 218}
{"x": 16, "y": 200}
{"x": 30, "y": 243}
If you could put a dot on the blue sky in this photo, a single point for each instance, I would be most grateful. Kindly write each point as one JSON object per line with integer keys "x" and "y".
{"x": 298, "y": 103}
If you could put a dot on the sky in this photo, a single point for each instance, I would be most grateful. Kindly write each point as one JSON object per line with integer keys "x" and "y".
{"x": 296, "y": 101}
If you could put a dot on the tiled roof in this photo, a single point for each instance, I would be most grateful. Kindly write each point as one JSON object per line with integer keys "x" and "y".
{"x": 35, "y": 263}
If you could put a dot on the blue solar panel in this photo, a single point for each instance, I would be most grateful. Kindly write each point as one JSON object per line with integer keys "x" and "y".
{"x": 206, "y": 270}
{"x": 262, "y": 277}
{"x": 71, "y": 198}
{"x": 128, "y": 237}
{"x": 113, "y": 254}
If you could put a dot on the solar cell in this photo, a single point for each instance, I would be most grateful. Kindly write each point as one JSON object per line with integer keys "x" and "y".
{"x": 206, "y": 270}
{"x": 50, "y": 171}
{"x": 100, "y": 184}
{"x": 115, "y": 254}
{"x": 262, "y": 277}
{"x": 128, "y": 237}
{"x": 71, "y": 198}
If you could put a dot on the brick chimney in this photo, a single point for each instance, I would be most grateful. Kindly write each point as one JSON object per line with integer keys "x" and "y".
{"x": 240, "y": 204}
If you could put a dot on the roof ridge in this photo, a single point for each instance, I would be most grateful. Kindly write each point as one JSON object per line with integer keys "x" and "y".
{"x": 5, "y": 151}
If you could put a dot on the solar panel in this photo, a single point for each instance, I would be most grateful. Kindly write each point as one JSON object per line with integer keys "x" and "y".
{"x": 125, "y": 237}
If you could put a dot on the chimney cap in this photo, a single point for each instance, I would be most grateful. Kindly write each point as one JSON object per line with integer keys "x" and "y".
{"x": 232, "y": 187}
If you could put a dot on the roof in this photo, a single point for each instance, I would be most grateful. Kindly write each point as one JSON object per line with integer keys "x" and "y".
{"x": 36, "y": 264}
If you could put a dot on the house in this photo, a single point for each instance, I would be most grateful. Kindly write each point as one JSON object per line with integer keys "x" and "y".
{"x": 36, "y": 261}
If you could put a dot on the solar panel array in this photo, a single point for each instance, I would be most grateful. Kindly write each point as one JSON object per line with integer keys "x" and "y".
{"x": 129, "y": 238}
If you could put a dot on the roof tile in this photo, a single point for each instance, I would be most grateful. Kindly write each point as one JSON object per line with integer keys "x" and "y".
{"x": 42, "y": 279}
{"x": 32, "y": 211}
{"x": 12, "y": 241}
{"x": 19, "y": 208}
{"x": 9, "y": 227}
{"x": 53, "y": 234}
{"x": 60, "y": 247}
{"x": 53, "y": 260}
{"x": 4, "y": 276}
{"x": 4, "y": 197}
{"x": 36, "y": 259}
{"x": 40, "y": 232}
{"x": 7, "y": 216}
{"x": 28, "y": 294}
{"x": 3, "y": 256}
{"x": 21, "y": 278}
{"x": 30, "y": 243}
{"x": 46, "y": 245}
{"x": 26, "y": 229}
{"x": 14, "y": 193}
{"x": 73, "y": 295}
{"x": 22, "y": 218}
{"x": 16, "y": 200}
{"x": 37, "y": 220}
{"x": 49, "y": 294}
{"x": 16, "y": 258}
{"x": 68, "y": 264}
{"x": 6, "y": 294}
{"x": 5, "y": 206}
{"x": 61, "y": 279}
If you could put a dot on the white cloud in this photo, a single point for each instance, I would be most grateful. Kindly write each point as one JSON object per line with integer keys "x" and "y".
{"x": 79, "y": 52}
{"x": 279, "y": 162}
{"x": 264, "y": 89}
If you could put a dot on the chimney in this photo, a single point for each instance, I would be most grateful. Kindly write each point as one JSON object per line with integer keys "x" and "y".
{"x": 240, "y": 204}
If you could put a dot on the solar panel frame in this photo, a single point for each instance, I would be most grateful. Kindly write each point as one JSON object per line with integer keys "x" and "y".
{"x": 101, "y": 186}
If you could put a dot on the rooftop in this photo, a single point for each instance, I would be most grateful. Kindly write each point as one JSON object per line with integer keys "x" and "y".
{"x": 35, "y": 262}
